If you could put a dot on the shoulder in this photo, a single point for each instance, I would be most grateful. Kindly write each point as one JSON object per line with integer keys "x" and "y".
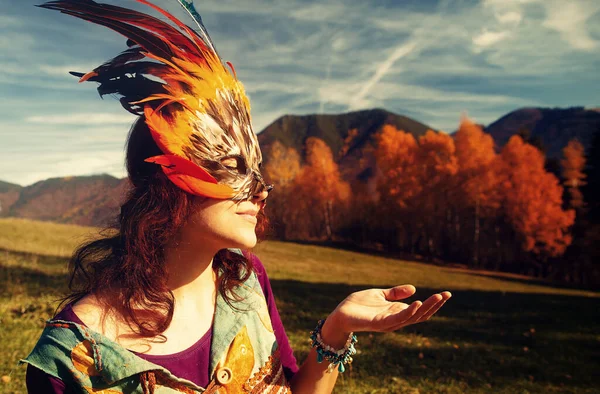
{"x": 89, "y": 311}
{"x": 52, "y": 352}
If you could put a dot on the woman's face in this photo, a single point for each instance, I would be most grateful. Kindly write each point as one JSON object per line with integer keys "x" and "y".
{"x": 220, "y": 224}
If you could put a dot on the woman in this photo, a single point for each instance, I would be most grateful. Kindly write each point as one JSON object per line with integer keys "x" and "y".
{"x": 167, "y": 302}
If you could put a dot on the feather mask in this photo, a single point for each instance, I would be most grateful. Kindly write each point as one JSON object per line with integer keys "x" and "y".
{"x": 196, "y": 109}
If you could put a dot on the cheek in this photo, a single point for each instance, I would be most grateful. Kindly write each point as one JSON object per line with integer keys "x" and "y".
{"x": 219, "y": 224}
{"x": 213, "y": 217}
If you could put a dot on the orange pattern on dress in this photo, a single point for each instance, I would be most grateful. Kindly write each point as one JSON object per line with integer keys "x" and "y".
{"x": 82, "y": 357}
{"x": 270, "y": 379}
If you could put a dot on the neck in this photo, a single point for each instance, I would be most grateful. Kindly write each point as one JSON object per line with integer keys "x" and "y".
{"x": 190, "y": 269}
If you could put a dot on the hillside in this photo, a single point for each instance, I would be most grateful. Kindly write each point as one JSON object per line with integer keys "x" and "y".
{"x": 292, "y": 131}
{"x": 9, "y": 194}
{"x": 94, "y": 200}
{"x": 88, "y": 200}
{"x": 553, "y": 126}
{"x": 498, "y": 334}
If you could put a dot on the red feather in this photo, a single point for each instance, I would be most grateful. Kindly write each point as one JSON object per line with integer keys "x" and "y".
{"x": 151, "y": 33}
{"x": 182, "y": 166}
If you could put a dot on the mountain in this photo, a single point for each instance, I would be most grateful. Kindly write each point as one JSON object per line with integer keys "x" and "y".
{"x": 85, "y": 200}
{"x": 94, "y": 200}
{"x": 9, "y": 194}
{"x": 554, "y": 127}
{"x": 293, "y": 130}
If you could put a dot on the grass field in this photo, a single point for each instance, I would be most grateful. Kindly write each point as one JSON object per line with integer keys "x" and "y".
{"x": 498, "y": 333}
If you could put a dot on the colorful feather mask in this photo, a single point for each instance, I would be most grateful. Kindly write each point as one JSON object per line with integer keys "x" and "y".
{"x": 196, "y": 109}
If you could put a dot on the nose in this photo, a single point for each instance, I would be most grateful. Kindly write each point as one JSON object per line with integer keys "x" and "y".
{"x": 261, "y": 196}
{"x": 262, "y": 193}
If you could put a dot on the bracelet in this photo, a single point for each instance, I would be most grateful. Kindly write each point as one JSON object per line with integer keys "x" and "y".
{"x": 336, "y": 358}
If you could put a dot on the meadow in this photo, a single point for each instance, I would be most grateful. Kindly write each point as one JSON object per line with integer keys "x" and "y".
{"x": 498, "y": 333}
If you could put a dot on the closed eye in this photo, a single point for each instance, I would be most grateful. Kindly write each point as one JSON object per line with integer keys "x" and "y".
{"x": 235, "y": 163}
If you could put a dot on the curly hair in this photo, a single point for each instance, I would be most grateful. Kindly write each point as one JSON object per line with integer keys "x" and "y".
{"x": 129, "y": 258}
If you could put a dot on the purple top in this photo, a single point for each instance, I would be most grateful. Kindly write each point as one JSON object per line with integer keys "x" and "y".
{"x": 191, "y": 363}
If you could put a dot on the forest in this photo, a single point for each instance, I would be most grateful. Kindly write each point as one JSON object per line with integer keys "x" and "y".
{"x": 448, "y": 199}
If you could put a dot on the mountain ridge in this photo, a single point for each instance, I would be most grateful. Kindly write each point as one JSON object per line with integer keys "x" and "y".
{"x": 95, "y": 199}
{"x": 554, "y": 127}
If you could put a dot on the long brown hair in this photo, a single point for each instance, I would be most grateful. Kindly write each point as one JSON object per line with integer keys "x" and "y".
{"x": 127, "y": 262}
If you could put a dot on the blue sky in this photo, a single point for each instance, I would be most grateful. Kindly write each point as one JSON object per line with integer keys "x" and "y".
{"x": 428, "y": 59}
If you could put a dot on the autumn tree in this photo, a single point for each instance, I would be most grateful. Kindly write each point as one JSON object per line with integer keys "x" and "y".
{"x": 581, "y": 261}
{"x": 435, "y": 167}
{"x": 281, "y": 169}
{"x": 397, "y": 184}
{"x": 532, "y": 200}
{"x": 591, "y": 272}
{"x": 348, "y": 141}
{"x": 477, "y": 193}
{"x": 319, "y": 194}
{"x": 573, "y": 165}
{"x": 591, "y": 190}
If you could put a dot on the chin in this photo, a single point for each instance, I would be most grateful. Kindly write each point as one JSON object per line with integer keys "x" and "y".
{"x": 247, "y": 242}
{"x": 244, "y": 238}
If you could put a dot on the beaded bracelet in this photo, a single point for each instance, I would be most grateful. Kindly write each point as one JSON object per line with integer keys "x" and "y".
{"x": 325, "y": 352}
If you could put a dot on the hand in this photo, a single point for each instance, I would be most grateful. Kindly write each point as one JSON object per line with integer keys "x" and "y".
{"x": 378, "y": 310}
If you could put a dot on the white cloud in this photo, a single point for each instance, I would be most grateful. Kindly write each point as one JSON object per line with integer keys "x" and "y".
{"x": 512, "y": 17}
{"x": 569, "y": 18}
{"x": 63, "y": 70}
{"x": 489, "y": 38}
{"x": 507, "y": 3}
{"x": 318, "y": 12}
{"x": 9, "y": 21}
{"x": 83, "y": 119}
{"x": 23, "y": 169}
{"x": 340, "y": 43}
{"x": 301, "y": 57}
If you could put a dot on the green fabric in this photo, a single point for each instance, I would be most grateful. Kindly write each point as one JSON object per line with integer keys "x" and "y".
{"x": 116, "y": 368}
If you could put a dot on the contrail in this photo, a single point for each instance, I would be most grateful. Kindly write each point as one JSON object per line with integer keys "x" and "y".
{"x": 328, "y": 71}
{"x": 418, "y": 38}
{"x": 327, "y": 76}
{"x": 382, "y": 69}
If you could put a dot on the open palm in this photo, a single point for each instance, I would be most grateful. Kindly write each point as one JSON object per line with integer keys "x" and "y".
{"x": 380, "y": 309}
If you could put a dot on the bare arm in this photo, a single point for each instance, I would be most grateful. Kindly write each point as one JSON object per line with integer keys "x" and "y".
{"x": 369, "y": 310}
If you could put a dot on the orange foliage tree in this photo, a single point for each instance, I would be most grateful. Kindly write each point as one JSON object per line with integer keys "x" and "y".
{"x": 397, "y": 184}
{"x": 573, "y": 164}
{"x": 414, "y": 181}
{"x": 532, "y": 200}
{"x": 436, "y": 165}
{"x": 476, "y": 196}
{"x": 319, "y": 193}
{"x": 348, "y": 141}
{"x": 281, "y": 169}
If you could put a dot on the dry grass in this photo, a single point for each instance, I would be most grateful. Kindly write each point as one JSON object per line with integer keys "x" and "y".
{"x": 42, "y": 238}
{"x": 497, "y": 334}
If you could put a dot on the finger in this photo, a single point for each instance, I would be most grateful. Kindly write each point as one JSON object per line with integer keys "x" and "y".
{"x": 429, "y": 307}
{"x": 397, "y": 317}
{"x": 399, "y": 292}
{"x": 432, "y": 311}
{"x": 430, "y": 303}
{"x": 445, "y": 297}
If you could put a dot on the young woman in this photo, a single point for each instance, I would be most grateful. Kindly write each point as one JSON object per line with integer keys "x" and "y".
{"x": 167, "y": 302}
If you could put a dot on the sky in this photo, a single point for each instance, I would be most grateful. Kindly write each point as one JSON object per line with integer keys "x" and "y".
{"x": 432, "y": 60}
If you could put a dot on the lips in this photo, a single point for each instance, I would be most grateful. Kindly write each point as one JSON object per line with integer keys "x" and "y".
{"x": 249, "y": 212}
{"x": 249, "y": 215}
